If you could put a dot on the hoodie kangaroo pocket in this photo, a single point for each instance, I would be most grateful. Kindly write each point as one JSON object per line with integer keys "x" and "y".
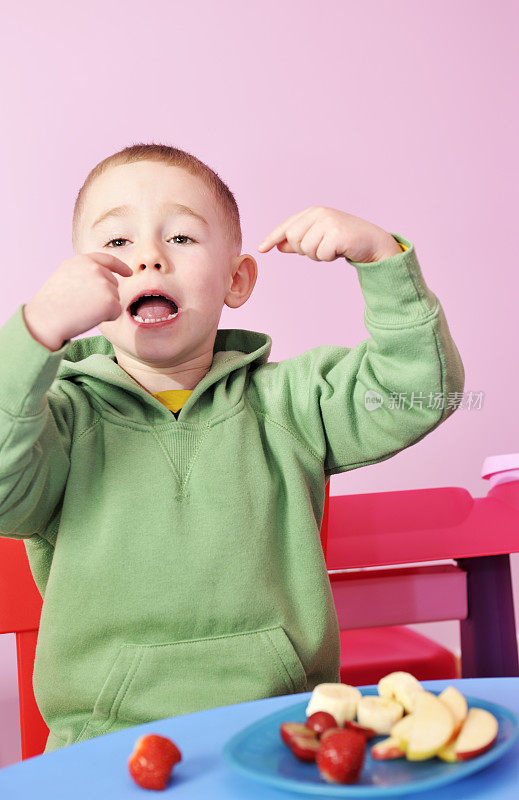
{"x": 155, "y": 681}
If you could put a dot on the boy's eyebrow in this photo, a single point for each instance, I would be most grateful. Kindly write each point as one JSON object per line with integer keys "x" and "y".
{"x": 179, "y": 208}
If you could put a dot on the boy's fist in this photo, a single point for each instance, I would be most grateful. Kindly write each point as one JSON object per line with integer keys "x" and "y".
{"x": 80, "y": 294}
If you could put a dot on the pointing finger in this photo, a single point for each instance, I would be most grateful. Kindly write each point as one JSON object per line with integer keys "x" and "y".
{"x": 278, "y": 234}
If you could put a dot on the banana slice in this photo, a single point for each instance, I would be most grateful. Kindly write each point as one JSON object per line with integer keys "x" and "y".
{"x": 339, "y": 699}
{"x": 402, "y": 687}
{"x": 378, "y": 713}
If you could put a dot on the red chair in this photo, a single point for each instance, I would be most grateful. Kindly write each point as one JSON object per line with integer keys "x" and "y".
{"x": 359, "y": 531}
{"x": 20, "y": 609}
{"x": 425, "y": 525}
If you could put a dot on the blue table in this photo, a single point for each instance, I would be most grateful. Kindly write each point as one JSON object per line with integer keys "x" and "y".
{"x": 97, "y": 767}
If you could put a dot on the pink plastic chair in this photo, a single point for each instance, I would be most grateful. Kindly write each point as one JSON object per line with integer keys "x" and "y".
{"x": 367, "y": 530}
{"x": 393, "y": 528}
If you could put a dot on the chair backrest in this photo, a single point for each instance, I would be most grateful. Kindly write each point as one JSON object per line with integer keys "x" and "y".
{"x": 357, "y": 531}
{"x": 414, "y": 527}
{"x": 20, "y": 610}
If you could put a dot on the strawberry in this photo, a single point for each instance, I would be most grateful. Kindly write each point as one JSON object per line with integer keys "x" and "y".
{"x": 326, "y": 733}
{"x": 320, "y": 721}
{"x": 341, "y": 756}
{"x": 369, "y": 733}
{"x": 305, "y": 748}
{"x": 288, "y": 730}
{"x": 152, "y": 760}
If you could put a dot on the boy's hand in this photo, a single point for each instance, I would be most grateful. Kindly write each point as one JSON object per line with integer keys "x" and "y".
{"x": 324, "y": 234}
{"x": 80, "y": 294}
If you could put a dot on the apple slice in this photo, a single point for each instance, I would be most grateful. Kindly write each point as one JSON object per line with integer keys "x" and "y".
{"x": 401, "y": 686}
{"x": 478, "y": 734}
{"x": 431, "y": 729}
{"x": 457, "y": 704}
{"x": 401, "y": 729}
{"x": 447, "y": 752}
{"x": 387, "y": 748}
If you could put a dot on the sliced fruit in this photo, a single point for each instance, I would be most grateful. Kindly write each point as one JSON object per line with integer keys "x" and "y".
{"x": 401, "y": 686}
{"x": 339, "y": 699}
{"x": 288, "y": 730}
{"x": 447, "y": 752}
{"x": 478, "y": 734}
{"x": 369, "y": 733}
{"x": 304, "y": 747}
{"x": 329, "y": 731}
{"x": 400, "y": 730}
{"x": 320, "y": 721}
{"x": 341, "y": 755}
{"x": 378, "y": 713}
{"x": 431, "y": 729}
{"x": 457, "y": 704}
{"x": 387, "y": 748}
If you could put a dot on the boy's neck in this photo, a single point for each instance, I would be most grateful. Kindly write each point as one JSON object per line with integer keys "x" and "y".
{"x": 154, "y": 382}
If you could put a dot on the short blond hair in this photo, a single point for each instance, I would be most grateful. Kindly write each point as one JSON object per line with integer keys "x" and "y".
{"x": 171, "y": 156}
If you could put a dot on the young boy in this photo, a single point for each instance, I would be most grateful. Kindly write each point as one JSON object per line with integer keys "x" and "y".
{"x": 167, "y": 480}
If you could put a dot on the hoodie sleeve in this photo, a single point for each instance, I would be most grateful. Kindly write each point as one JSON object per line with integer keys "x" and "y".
{"x": 35, "y": 430}
{"x": 356, "y": 406}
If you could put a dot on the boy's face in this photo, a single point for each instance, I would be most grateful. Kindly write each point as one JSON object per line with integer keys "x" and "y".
{"x": 197, "y": 271}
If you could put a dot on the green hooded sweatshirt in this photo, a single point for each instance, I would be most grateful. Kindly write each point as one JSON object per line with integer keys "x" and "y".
{"x": 179, "y": 559}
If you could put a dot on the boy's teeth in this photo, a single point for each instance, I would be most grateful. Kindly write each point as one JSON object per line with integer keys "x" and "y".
{"x": 161, "y": 319}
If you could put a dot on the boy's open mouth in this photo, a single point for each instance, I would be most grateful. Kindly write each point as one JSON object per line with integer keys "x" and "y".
{"x": 151, "y": 308}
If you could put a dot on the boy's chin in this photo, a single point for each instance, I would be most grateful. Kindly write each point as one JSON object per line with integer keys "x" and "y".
{"x": 105, "y": 328}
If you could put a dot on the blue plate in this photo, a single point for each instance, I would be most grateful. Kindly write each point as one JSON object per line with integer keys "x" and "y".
{"x": 258, "y": 752}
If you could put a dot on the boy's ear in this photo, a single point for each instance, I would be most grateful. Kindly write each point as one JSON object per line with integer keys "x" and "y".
{"x": 242, "y": 280}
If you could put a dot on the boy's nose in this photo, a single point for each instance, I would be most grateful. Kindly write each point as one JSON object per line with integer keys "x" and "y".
{"x": 159, "y": 266}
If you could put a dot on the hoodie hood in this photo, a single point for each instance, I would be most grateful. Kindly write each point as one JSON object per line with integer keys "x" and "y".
{"x": 90, "y": 363}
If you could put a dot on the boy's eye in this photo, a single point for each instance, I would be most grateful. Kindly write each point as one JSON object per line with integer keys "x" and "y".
{"x": 118, "y": 239}
{"x": 122, "y": 239}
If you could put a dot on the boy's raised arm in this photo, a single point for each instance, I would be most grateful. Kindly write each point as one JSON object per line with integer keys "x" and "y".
{"x": 35, "y": 431}
{"x": 356, "y": 406}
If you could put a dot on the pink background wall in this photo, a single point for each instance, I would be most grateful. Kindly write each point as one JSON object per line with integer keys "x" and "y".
{"x": 399, "y": 112}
